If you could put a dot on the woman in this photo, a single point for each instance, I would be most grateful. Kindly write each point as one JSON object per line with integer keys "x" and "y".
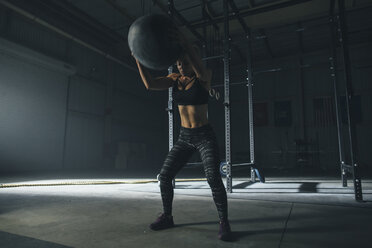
{"x": 190, "y": 91}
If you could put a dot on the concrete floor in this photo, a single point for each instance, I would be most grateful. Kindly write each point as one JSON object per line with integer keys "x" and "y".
{"x": 283, "y": 212}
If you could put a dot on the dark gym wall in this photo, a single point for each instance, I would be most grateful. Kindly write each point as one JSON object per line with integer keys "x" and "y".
{"x": 32, "y": 109}
{"x": 78, "y": 119}
{"x": 105, "y": 125}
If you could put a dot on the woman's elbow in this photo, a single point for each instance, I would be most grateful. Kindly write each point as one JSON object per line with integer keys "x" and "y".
{"x": 147, "y": 85}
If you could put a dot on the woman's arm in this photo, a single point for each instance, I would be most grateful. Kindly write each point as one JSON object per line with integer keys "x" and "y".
{"x": 158, "y": 83}
{"x": 201, "y": 72}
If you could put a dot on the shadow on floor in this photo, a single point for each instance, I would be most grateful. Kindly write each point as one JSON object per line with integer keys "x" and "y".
{"x": 243, "y": 185}
{"x": 306, "y": 187}
{"x": 15, "y": 240}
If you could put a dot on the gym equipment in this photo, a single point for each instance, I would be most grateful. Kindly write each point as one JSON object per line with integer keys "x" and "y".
{"x": 260, "y": 175}
{"x": 150, "y": 41}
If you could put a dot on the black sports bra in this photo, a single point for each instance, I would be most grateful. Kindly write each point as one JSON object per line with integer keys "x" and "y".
{"x": 195, "y": 95}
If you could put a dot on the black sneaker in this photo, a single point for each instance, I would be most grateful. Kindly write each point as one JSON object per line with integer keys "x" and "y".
{"x": 225, "y": 231}
{"x": 162, "y": 222}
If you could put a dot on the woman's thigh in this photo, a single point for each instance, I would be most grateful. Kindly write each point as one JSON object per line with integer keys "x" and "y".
{"x": 176, "y": 159}
{"x": 209, "y": 153}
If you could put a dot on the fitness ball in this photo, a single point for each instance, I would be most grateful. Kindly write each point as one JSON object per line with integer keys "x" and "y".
{"x": 150, "y": 42}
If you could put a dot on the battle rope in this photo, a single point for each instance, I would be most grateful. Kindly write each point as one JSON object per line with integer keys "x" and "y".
{"x": 14, "y": 185}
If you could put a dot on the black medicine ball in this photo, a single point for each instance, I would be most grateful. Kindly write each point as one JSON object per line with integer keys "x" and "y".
{"x": 150, "y": 42}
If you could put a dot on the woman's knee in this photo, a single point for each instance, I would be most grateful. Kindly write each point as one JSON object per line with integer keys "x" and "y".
{"x": 214, "y": 179}
{"x": 165, "y": 179}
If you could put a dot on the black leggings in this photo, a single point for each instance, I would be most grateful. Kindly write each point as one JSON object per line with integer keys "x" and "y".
{"x": 203, "y": 140}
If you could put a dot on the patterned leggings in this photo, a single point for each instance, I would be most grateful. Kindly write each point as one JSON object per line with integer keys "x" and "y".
{"x": 203, "y": 140}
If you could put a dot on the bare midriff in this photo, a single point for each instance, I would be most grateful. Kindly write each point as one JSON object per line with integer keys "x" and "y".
{"x": 193, "y": 116}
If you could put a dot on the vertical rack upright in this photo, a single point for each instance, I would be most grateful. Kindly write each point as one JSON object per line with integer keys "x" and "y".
{"x": 339, "y": 24}
{"x": 226, "y": 64}
{"x": 170, "y": 92}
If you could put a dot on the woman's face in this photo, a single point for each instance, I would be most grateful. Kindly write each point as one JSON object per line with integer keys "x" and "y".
{"x": 184, "y": 67}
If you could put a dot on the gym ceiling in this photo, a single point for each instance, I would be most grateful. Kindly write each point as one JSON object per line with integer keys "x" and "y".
{"x": 278, "y": 27}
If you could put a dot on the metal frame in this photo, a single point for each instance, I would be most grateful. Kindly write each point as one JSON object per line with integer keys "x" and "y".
{"x": 170, "y": 114}
{"x": 170, "y": 91}
{"x": 338, "y": 24}
{"x": 226, "y": 103}
{"x": 250, "y": 105}
{"x": 333, "y": 69}
{"x": 249, "y": 85}
{"x": 171, "y": 11}
{"x": 341, "y": 27}
{"x": 248, "y": 12}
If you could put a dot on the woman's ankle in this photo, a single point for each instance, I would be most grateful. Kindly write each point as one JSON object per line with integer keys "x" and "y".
{"x": 168, "y": 215}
